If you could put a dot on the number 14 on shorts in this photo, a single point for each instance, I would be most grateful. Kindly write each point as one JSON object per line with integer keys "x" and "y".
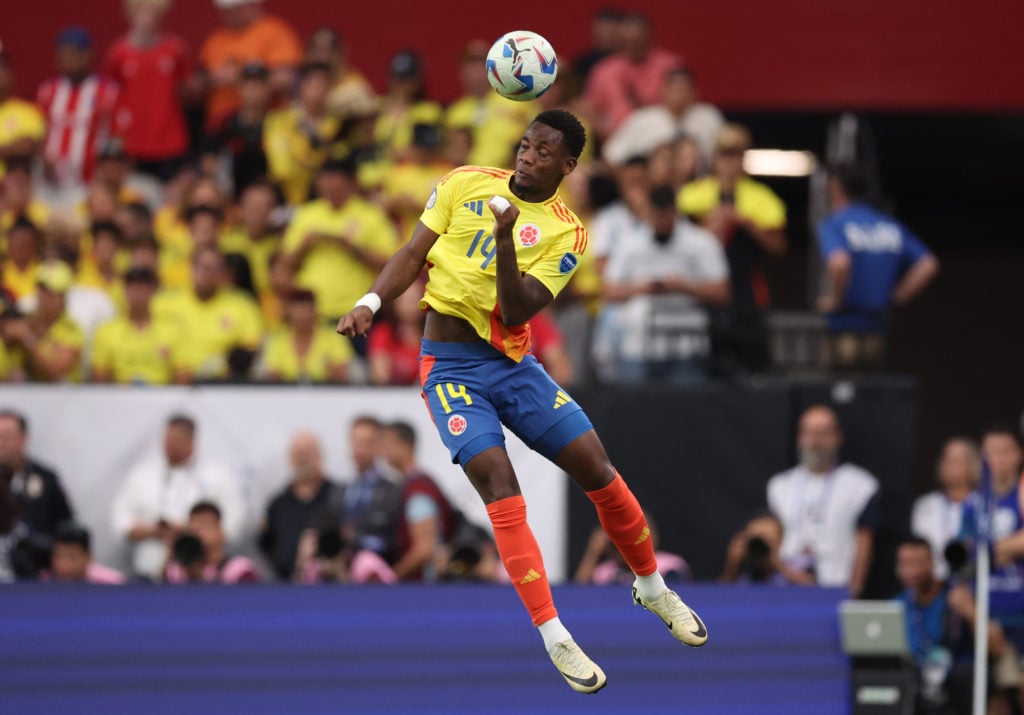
{"x": 455, "y": 392}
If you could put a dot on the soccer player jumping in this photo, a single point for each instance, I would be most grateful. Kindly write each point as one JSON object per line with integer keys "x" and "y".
{"x": 491, "y": 267}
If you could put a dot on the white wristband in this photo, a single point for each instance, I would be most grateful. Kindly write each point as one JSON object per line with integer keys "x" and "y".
{"x": 371, "y": 301}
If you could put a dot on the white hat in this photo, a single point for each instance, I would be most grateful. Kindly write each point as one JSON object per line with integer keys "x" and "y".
{"x": 643, "y": 132}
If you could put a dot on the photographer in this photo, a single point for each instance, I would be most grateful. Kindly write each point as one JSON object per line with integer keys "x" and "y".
{"x": 325, "y": 556}
{"x": 602, "y": 564}
{"x": 753, "y": 555}
{"x": 198, "y": 554}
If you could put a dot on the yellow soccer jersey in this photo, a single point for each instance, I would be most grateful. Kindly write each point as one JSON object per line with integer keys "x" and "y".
{"x": 128, "y": 354}
{"x": 336, "y": 276}
{"x": 282, "y": 361}
{"x": 12, "y": 362}
{"x": 211, "y": 328}
{"x": 66, "y": 334}
{"x": 549, "y": 241}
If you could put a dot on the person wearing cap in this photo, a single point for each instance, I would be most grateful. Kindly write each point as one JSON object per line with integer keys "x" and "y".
{"x": 248, "y": 34}
{"x": 136, "y": 348}
{"x": 408, "y": 185}
{"x": 494, "y": 122}
{"x": 749, "y": 220}
{"x": 404, "y": 105}
{"x": 304, "y": 349}
{"x": 338, "y": 235}
{"x": 75, "y": 135}
{"x": 52, "y": 342}
{"x": 214, "y": 318}
{"x": 22, "y": 125}
{"x": 152, "y": 68}
{"x": 299, "y": 137}
{"x": 239, "y": 138}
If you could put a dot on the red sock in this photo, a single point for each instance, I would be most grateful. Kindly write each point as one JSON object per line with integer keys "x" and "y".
{"x": 521, "y": 556}
{"x": 623, "y": 520}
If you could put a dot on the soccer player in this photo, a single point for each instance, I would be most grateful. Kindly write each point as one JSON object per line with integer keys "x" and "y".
{"x": 492, "y": 266}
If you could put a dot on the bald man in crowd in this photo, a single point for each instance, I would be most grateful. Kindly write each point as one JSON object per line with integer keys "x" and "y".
{"x": 300, "y": 505}
{"x": 829, "y": 509}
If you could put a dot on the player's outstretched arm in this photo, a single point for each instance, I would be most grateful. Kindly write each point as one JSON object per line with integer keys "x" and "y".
{"x": 398, "y": 274}
{"x": 520, "y": 297}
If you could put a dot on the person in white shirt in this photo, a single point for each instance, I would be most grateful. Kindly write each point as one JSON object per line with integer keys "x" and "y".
{"x": 937, "y": 515}
{"x": 659, "y": 278}
{"x": 829, "y": 510}
{"x": 151, "y": 508}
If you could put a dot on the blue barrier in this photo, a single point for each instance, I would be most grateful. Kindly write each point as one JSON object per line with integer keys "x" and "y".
{"x": 453, "y": 649}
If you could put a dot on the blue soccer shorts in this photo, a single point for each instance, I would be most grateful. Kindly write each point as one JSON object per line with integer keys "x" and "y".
{"x": 471, "y": 390}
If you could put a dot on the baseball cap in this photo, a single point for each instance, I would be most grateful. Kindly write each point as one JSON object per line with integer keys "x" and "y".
{"x": 733, "y": 138}
{"x": 255, "y": 70}
{"x": 55, "y": 276}
{"x": 140, "y": 274}
{"x": 77, "y": 37}
{"x": 405, "y": 64}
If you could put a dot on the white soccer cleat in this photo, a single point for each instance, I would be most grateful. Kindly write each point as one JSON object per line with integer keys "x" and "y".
{"x": 685, "y": 625}
{"x": 581, "y": 673}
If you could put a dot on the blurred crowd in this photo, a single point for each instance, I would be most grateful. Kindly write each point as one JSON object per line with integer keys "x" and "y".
{"x": 171, "y": 217}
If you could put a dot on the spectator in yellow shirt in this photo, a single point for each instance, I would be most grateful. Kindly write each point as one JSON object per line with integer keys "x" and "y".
{"x": 280, "y": 283}
{"x": 256, "y": 235}
{"x": 214, "y": 320}
{"x": 12, "y": 355}
{"x": 338, "y": 243}
{"x": 100, "y": 269}
{"x": 24, "y": 244}
{"x": 407, "y": 187}
{"x": 404, "y": 105}
{"x": 136, "y": 348}
{"x": 172, "y": 230}
{"x": 22, "y": 126}
{"x": 52, "y": 342}
{"x": 298, "y": 138}
{"x": 495, "y": 123}
{"x": 305, "y": 350}
{"x": 18, "y": 199}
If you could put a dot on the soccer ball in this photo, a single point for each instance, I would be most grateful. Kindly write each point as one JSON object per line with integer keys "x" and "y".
{"x": 521, "y": 65}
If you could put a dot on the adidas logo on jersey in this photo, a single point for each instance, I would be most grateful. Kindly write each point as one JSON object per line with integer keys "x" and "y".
{"x": 476, "y": 207}
{"x": 561, "y": 399}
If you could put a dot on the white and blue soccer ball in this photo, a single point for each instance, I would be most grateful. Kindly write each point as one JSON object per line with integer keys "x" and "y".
{"x": 521, "y": 65}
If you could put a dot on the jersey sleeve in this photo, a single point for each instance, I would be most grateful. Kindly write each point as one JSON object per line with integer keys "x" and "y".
{"x": 437, "y": 214}
{"x": 556, "y": 269}
{"x": 830, "y": 238}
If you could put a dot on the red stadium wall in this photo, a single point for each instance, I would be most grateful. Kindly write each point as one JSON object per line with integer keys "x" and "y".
{"x": 752, "y": 54}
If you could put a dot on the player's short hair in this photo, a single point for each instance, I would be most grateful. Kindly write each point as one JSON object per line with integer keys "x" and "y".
{"x": 205, "y": 507}
{"x": 404, "y": 431}
{"x": 574, "y": 136}
{"x": 852, "y": 178}
{"x": 918, "y": 542}
{"x": 72, "y": 534}
{"x": 183, "y": 421}
{"x": 18, "y": 418}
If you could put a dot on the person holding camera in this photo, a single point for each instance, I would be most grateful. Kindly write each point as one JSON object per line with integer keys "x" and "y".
{"x": 199, "y": 553}
{"x": 753, "y": 555}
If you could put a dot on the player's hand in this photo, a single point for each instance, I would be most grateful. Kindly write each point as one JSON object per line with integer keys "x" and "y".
{"x": 504, "y": 220}
{"x": 357, "y": 322}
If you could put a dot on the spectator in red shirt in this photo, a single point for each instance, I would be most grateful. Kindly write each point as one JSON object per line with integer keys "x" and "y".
{"x": 151, "y": 67}
{"x": 76, "y": 134}
{"x": 393, "y": 346}
{"x": 633, "y": 77}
